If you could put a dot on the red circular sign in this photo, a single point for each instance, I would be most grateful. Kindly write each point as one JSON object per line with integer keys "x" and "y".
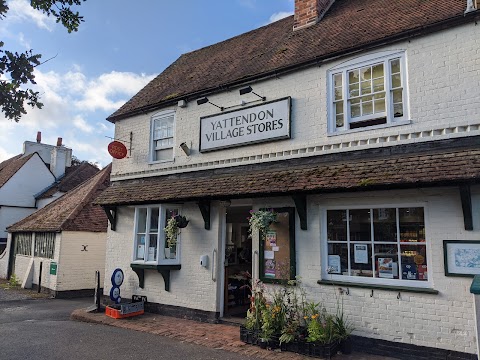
{"x": 117, "y": 150}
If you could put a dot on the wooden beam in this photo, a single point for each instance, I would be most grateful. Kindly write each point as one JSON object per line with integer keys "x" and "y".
{"x": 466, "y": 198}
{"x": 141, "y": 276}
{"x": 301, "y": 205}
{"x": 204, "y": 207}
{"x": 111, "y": 212}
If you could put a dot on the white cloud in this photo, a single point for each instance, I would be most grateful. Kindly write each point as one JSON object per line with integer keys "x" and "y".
{"x": 279, "y": 15}
{"x": 103, "y": 93}
{"x": 20, "y": 10}
{"x": 81, "y": 124}
{"x": 4, "y": 154}
{"x": 23, "y": 41}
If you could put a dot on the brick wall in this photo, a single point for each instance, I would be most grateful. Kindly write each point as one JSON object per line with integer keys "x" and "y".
{"x": 444, "y": 99}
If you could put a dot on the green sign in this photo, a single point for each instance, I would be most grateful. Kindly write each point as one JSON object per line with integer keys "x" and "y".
{"x": 53, "y": 268}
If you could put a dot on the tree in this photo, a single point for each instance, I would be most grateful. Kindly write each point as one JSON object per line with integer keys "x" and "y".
{"x": 16, "y": 69}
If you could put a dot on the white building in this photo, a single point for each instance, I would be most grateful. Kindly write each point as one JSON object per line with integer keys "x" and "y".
{"x": 59, "y": 247}
{"x": 366, "y": 141}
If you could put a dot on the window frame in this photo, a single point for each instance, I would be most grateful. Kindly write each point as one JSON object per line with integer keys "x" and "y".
{"x": 158, "y": 116}
{"x": 384, "y": 57}
{"x": 325, "y": 276}
{"x": 161, "y": 260}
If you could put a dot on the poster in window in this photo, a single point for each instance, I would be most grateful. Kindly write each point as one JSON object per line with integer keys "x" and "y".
{"x": 270, "y": 268}
{"x": 140, "y": 251}
{"x": 277, "y": 248}
{"x": 385, "y": 268}
{"x": 151, "y": 253}
{"x": 334, "y": 264}
{"x": 272, "y": 238}
{"x": 409, "y": 272}
{"x": 361, "y": 253}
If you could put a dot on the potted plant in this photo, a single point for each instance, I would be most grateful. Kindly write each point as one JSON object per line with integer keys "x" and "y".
{"x": 261, "y": 220}
{"x": 181, "y": 220}
{"x": 343, "y": 329}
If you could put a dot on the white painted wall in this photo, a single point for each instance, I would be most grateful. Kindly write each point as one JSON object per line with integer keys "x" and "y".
{"x": 41, "y": 203}
{"x": 4, "y": 259}
{"x": 10, "y": 215}
{"x": 76, "y": 268}
{"x": 192, "y": 286}
{"x": 29, "y": 180}
{"x": 443, "y": 92}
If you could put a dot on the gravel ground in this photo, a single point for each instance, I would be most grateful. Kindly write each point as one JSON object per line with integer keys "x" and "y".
{"x": 15, "y": 293}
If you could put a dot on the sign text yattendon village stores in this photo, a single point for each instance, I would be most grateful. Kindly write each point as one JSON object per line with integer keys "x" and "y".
{"x": 265, "y": 122}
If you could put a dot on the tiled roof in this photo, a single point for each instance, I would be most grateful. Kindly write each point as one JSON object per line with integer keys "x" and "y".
{"x": 73, "y": 211}
{"x": 347, "y": 26}
{"x": 74, "y": 175}
{"x": 355, "y": 171}
{"x": 9, "y": 167}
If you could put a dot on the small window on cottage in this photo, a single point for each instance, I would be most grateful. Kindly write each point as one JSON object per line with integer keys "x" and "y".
{"x": 376, "y": 245}
{"x": 45, "y": 245}
{"x": 369, "y": 94}
{"x": 22, "y": 243}
{"x": 151, "y": 243}
{"x": 163, "y": 136}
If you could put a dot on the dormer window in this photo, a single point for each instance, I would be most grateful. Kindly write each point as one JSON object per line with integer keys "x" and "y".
{"x": 368, "y": 92}
{"x": 162, "y": 136}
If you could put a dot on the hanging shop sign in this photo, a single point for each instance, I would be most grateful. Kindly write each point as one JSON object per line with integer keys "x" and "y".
{"x": 266, "y": 122}
{"x": 117, "y": 150}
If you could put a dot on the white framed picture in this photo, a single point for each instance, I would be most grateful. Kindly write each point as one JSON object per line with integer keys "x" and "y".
{"x": 461, "y": 257}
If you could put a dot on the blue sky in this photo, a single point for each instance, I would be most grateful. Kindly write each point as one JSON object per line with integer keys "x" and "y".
{"x": 119, "y": 48}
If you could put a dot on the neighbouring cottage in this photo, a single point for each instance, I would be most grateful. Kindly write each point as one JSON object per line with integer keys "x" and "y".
{"x": 359, "y": 123}
{"x": 31, "y": 180}
{"x": 59, "y": 247}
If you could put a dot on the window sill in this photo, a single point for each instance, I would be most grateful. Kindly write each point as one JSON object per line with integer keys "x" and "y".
{"x": 376, "y": 127}
{"x": 164, "y": 270}
{"x": 380, "y": 287}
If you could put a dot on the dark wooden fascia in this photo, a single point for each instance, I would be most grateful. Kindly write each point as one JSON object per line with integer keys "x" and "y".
{"x": 301, "y": 205}
{"x": 111, "y": 212}
{"x": 204, "y": 206}
{"x": 466, "y": 198}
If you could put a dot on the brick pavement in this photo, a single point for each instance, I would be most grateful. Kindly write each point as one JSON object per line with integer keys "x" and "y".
{"x": 217, "y": 336}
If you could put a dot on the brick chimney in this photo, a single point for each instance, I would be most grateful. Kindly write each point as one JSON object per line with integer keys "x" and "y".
{"x": 309, "y": 12}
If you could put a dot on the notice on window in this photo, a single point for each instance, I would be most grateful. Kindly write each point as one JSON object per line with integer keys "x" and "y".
{"x": 268, "y": 255}
{"x": 385, "y": 268}
{"x": 270, "y": 268}
{"x": 271, "y": 238}
{"x": 151, "y": 253}
{"x": 140, "y": 251}
{"x": 360, "y": 254}
{"x": 334, "y": 264}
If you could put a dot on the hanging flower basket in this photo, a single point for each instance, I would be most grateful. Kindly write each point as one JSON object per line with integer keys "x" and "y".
{"x": 181, "y": 220}
{"x": 174, "y": 224}
{"x": 261, "y": 220}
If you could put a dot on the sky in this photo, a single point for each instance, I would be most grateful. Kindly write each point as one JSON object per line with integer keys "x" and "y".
{"x": 120, "y": 47}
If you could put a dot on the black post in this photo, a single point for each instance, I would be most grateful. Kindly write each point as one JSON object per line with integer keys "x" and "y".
{"x": 97, "y": 290}
{"x": 40, "y": 277}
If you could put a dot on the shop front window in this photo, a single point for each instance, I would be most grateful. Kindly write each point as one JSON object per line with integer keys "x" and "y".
{"x": 376, "y": 245}
{"x": 151, "y": 243}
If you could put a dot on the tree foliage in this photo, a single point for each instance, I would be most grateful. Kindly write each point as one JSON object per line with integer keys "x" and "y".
{"x": 16, "y": 69}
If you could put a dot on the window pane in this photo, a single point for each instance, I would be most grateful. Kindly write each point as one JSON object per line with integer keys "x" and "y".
{"x": 337, "y": 259}
{"x": 338, "y": 93}
{"x": 397, "y": 96}
{"x": 142, "y": 221}
{"x": 354, "y": 89}
{"x": 395, "y": 66}
{"x": 361, "y": 260}
{"x": 355, "y": 111}
{"x": 154, "y": 220}
{"x": 379, "y": 106}
{"x": 353, "y": 76}
{"x": 414, "y": 262}
{"x": 396, "y": 81}
{"x": 367, "y": 108}
{"x": 140, "y": 251}
{"x": 339, "y": 121}
{"x": 360, "y": 229}
{"x": 386, "y": 261}
{"x": 378, "y": 85}
{"x": 385, "y": 225}
{"x": 337, "y": 225}
{"x": 366, "y": 73}
{"x": 165, "y": 154}
{"x": 398, "y": 110}
{"x": 412, "y": 225}
{"x": 337, "y": 80}
{"x": 366, "y": 87}
{"x": 152, "y": 248}
{"x": 378, "y": 71}
{"x": 339, "y": 107}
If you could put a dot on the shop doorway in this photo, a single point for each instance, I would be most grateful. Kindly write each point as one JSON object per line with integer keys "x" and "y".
{"x": 238, "y": 263}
